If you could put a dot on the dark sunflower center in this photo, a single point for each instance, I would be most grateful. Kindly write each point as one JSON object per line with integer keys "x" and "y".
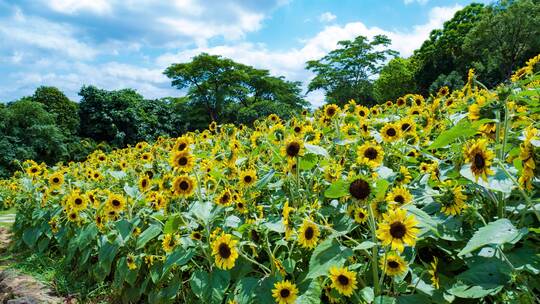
{"x": 330, "y": 112}
{"x": 56, "y": 180}
{"x": 34, "y": 170}
{"x": 399, "y": 199}
{"x": 391, "y": 132}
{"x": 293, "y": 149}
{"x": 197, "y": 235}
{"x": 116, "y": 203}
{"x": 359, "y": 189}
{"x": 308, "y": 234}
{"x": 284, "y": 293}
{"x": 224, "y": 251}
{"x": 364, "y": 127}
{"x": 343, "y": 280}
{"x": 361, "y": 215}
{"x": 479, "y": 161}
{"x": 241, "y": 205}
{"x": 397, "y": 230}
{"x": 182, "y": 161}
{"x": 73, "y": 216}
{"x": 225, "y": 198}
{"x": 182, "y": 146}
{"x": 362, "y": 113}
{"x": 184, "y": 185}
{"x": 371, "y": 153}
{"x": 78, "y": 201}
{"x": 297, "y": 129}
{"x": 415, "y": 112}
{"x": 405, "y": 126}
{"x": 393, "y": 264}
{"x": 418, "y": 102}
{"x": 144, "y": 183}
{"x": 247, "y": 179}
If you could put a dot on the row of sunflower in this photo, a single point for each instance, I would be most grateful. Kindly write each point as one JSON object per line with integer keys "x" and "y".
{"x": 424, "y": 200}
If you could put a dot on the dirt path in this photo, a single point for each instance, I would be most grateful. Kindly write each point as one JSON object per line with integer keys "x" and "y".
{"x": 18, "y": 288}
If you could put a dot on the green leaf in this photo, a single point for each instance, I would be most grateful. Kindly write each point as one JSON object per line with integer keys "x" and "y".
{"x": 495, "y": 233}
{"x": 125, "y": 228}
{"x": 312, "y": 294}
{"x": 132, "y": 191}
{"x": 203, "y": 211}
{"x": 265, "y": 179}
{"x": 210, "y": 287}
{"x": 308, "y": 162}
{"x": 147, "y": 235}
{"x": 327, "y": 254}
{"x": 464, "y": 129}
{"x": 31, "y": 235}
{"x": 497, "y": 182}
{"x": 173, "y": 223}
{"x": 365, "y": 245}
{"x": 367, "y": 294}
{"x": 246, "y": 289}
{"x": 482, "y": 279}
{"x": 414, "y": 299}
{"x": 318, "y": 150}
{"x": 117, "y": 174}
{"x": 337, "y": 189}
{"x": 179, "y": 257}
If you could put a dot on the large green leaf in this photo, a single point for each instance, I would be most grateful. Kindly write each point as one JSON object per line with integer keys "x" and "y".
{"x": 312, "y": 295}
{"x": 173, "y": 223}
{"x": 495, "y": 233}
{"x": 210, "y": 287}
{"x": 482, "y": 279}
{"x": 265, "y": 179}
{"x": 327, "y": 254}
{"x": 147, "y": 235}
{"x": 464, "y": 129}
{"x": 246, "y": 289}
{"x": 497, "y": 182}
{"x": 337, "y": 189}
{"x": 179, "y": 257}
{"x": 318, "y": 150}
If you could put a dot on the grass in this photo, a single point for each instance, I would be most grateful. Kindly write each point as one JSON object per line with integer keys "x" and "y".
{"x": 6, "y": 213}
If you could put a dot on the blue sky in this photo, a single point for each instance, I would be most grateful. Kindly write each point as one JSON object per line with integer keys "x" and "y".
{"x": 116, "y": 44}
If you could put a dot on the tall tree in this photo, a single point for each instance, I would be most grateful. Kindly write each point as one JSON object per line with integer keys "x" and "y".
{"x": 56, "y": 103}
{"x": 346, "y": 72}
{"x": 216, "y": 83}
{"x": 396, "y": 79}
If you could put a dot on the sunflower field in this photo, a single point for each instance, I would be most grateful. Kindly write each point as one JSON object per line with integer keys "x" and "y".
{"x": 419, "y": 200}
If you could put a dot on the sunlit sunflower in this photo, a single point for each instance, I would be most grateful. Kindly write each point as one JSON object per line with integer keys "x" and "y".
{"x": 224, "y": 198}
{"x": 224, "y": 250}
{"x": 248, "y": 177}
{"x": 453, "y": 202}
{"x": 212, "y": 126}
{"x": 480, "y": 158}
{"x": 285, "y": 292}
{"x": 399, "y": 196}
{"x": 393, "y": 264}
{"x": 397, "y": 228}
{"x": 331, "y": 110}
{"x": 403, "y": 176}
{"x": 343, "y": 280}
{"x": 312, "y": 135}
{"x": 147, "y": 156}
{"x": 390, "y": 132}
{"x": 182, "y": 161}
{"x": 73, "y": 216}
{"x": 400, "y": 102}
{"x": 443, "y": 91}
{"x": 407, "y": 125}
{"x": 182, "y": 143}
{"x": 196, "y": 235}
{"x": 56, "y": 180}
{"x": 360, "y": 215}
{"x": 293, "y": 147}
{"x": 273, "y": 118}
{"x": 144, "y": 183}
{"x": 169, "y": 242}
{"x": 277, "y": 133}
{"x": 370, "y": 154}
{"x": 34, "y": 170}
{"x": 360, "y": 189}
{"x": 308, "y": 234}
{"x": 115, "y": 202}
{"x": 349, "y": 130}
{"x": 432, "y": 270}
{"x": 184, "y": 186}
{"x": 77, "y": 201}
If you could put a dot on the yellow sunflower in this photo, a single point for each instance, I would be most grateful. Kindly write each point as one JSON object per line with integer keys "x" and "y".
{"x": 453, "y": 202}
{"x": 390, "y": 132}
{"x": 77, "y": 201}
{"x": 130, "y": 261}
{"x": 184, "y": 186}
{"x": 293, "y": 147}
{"x": 144, "y": 183}
{"x": 224, "y": 198}
{"x": 224, "y": 250}
{"x": 343, "y": 280}
{"x": 397, "y": 228}
{"x": 399, "y": 196}
{"x": 403, "y": 176}
{"x": 360, "y": 189}
{"x": 331, "y": 110}
{"x": 56, "y": 180}
{"x": 393, "y": 264}
{"x": 370, "y": 154}
{"x": 360, "y": 215}
{"x": 432, "y": 270}
{"x": 480, "y": 158}
{"x": 169, "y": 242}
{"x": 115, "y": 202}
{"x": 182, "y": 143}
{"x": 285, "y": 292}
{"x": 248, "y": 177}
{"x": 182, "y": 161}
{"x": 308, "y": 234}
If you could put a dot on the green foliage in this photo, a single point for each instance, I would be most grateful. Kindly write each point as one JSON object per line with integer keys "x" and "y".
{"x": 56, "y": 103}
{"x": 453, "y": 81}
{"x": 396, "y": 79}
{"x": 344, "y": 73}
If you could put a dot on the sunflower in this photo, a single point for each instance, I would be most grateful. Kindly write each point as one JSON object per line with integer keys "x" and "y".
{"x": 56, "y": 180}
{"x": 115, "y": 203}
{"x": 480, "y": 158}
{"x": 343, "y": 280}
{"x": 182, "y": 161}
{"x": 308, "y": 234}
{"x": 393, "y": 264}
{"x": 360, "y": 215}
{"x": 474, "y": 112}
{"x": 400, "y": 102}
{"x": 73, "y": 216}
{"x": 224, "y": 250}
{"x": 311, "y": 135}
{"x": 184, "y": 186}
{"x": 433, "y": 272}
{"x": 360, "y": 189}
{"x": 293, "y": 147}
{"x": 349, "y": 130}
{"x": 526, "y": 155}
{"x": 331, "y": 110}
{"x": 34, "y": 170}
{"x": 403, "y": 176}
{"x": 285, "y": 292}
{"x": 277, "y": 133}
{"x": 443, "y": 91}
{"x": 273, "y": 118}
{"x": 146, "y": 156}
{"x": 182, "y": 143}
{"x": 77, "y": 201}
{"x": 453, "y": 202}
{"x": 397, "y": 228}
{"x": 399, "y": 196}
{"x": 196, "y": 235}
{"x": 212, "y": 126}
{"x": 370, "y": 154}
{"x": 248, "y": 177}
{"x": 144, "y": 183}
{"x": 169, "y": 242}
{"x": 224, "y": 198}
{"x": 407, "y": 125}
{"x": 390, "y": 132}
{"x": 130, "y": 261}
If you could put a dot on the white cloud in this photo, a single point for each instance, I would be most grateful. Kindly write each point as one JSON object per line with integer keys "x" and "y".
{"x": 421, "y": 2}
{"x": 74, "y": 6}
{"x": 327, "y": 17}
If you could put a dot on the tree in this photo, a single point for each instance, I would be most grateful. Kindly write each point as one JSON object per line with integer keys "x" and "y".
{"x": 396, "y": 79}
{"x": 346, "y": 72}
{"x": 216, "y": 84}
{"x": 504, "y": 38}
{"x": 64, "y": 110}
{"x": 453, "y": 81}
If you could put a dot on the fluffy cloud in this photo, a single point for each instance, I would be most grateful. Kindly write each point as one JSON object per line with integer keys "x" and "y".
{"x": 422, "y": 2}
{"x": 327, "y": 17}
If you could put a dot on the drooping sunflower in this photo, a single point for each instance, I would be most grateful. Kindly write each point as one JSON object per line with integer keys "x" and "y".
{"x": 453, "y": 202}
{"x": 370, "y": 154}
{"x": 308, "y": 234}
{"x": 169, "y": 242}
{"x": 398, "y": 229}
{"x": 480, "y": 158}
{"x": 390, "y": 132}
{"x": 343, "y": 280}
{"x": 360, "y": 189}
{"x": 403, "y": 176}
{"x": 293, "y": 147}
{"x": 432, "y": 270}
{"x": 392, "y": 264}
{"x": 399, "y": 196}
{"x": 184, "y": 186}
{"x": 224, "y": 250}
{"x": 224, "y": 198}
{"x": 115, "y": 202}
{"x": 248, "y": 177}
{"x": 285, "y": 292}
{"x": 56, "y": 180}
{"x": 182, "y": 161}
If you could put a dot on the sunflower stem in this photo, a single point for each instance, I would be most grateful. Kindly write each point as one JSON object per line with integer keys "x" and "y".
{"x": 374, "y": 250}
